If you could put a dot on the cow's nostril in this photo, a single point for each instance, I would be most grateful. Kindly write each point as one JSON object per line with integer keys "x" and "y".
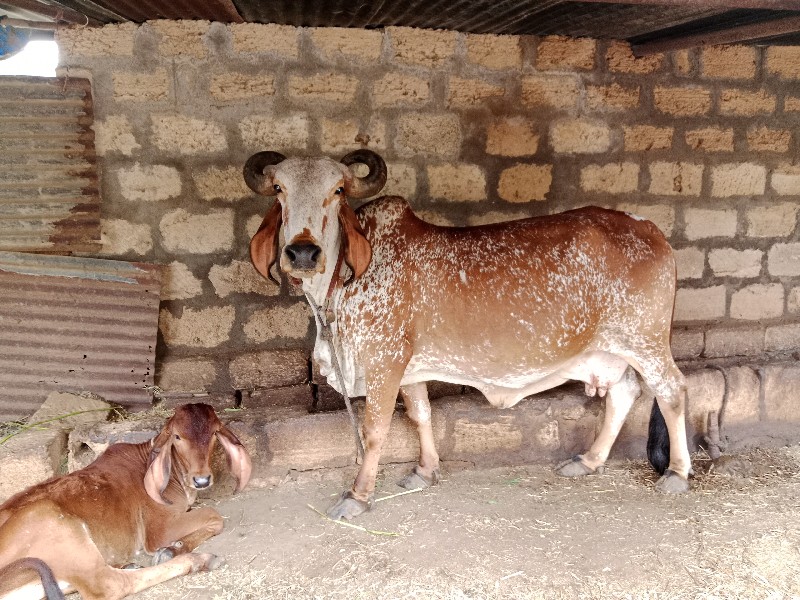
{"x": 201, "y": 482}
{"x": 303, "y": 256}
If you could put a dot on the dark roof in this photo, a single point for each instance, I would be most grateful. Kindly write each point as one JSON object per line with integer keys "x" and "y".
{"x": 648, "y": 24}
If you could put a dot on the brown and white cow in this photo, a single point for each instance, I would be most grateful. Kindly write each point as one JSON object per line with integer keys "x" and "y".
{"x": 511, "y": 309}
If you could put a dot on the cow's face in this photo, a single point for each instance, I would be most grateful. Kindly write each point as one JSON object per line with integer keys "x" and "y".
{"x": 311, "y": 204}
{"x": 310, "y": 193}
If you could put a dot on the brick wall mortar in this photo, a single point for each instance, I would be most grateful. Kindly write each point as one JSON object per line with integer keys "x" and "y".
{"x": 547, "y": 134}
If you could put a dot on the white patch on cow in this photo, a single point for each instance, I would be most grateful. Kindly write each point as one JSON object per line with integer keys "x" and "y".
{"x": 463, "y": 275}
{"x": 423, "y": 409}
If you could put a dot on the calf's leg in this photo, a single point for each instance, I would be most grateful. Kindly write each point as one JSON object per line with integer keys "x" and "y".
{"x": 107, "y": 583}
{"x": 182, "y": 533}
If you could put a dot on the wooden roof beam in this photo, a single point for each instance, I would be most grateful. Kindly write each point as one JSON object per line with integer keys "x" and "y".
{"x": 732, "y": 35}
{"x": 710, "y": 4}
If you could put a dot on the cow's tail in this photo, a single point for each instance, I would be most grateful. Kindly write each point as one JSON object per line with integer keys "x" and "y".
{"x": 658, "y": 440}
{"x": 49, "y": 583}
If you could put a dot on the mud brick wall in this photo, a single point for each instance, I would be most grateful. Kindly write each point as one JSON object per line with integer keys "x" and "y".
{"x": 474, "y": 128}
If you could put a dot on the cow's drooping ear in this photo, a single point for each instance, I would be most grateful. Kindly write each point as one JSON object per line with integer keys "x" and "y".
{"x": 264, "y": 244}
{"x": 357, "y": 251}
{"x": 158, "y": 471}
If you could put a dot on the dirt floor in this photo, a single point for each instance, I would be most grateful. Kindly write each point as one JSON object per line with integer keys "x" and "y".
{"x": 517, "y": 533}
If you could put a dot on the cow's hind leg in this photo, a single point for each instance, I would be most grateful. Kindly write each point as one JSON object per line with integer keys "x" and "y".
{"x": 619, "y": 399}
{"x": 418, "y": 408}
{"x": 667, "y": 383}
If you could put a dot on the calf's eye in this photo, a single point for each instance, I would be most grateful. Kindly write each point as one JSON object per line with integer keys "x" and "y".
{"x": 276, "y": 187}
{"x": 339, "y": 191}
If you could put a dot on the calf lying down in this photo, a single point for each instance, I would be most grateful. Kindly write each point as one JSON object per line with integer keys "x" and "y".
{"x": 133, "y": 500}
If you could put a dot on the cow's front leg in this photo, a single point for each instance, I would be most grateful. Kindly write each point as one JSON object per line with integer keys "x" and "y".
{"x": 418, "y": 408}
{"x": 382, "y": 388}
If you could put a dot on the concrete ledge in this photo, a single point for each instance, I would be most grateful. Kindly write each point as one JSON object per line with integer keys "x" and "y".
{"x": 284, "y": 437}
{"x": 29, "y": 458}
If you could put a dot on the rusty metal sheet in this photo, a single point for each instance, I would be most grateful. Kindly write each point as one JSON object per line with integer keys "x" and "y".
{"x": 49, "y": 195}
{"x": 75, "y": 325}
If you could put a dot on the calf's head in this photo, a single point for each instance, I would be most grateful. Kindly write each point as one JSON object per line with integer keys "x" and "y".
{"x": 186, "y": 444}
{"x": 311, "y": 204}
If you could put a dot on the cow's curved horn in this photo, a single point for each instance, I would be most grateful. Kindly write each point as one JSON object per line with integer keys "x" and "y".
{"x": 256, "y": 174}
{"x": 372, "y": 182}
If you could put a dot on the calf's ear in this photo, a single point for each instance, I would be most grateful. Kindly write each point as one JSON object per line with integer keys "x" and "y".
{"x": 357, "y": 249}
{"x": 238, "y": 458}
{"x": 160, "y": 466}
{"x": 264, "y": 244}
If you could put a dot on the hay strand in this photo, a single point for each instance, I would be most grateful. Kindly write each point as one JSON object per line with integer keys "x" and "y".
{"x": 353, "y": 525}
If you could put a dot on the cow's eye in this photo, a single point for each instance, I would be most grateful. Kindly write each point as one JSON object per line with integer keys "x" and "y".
{"x": 276, "y": 187}
{"x": 339, "y": 191}
{"x": 177, "y": 437}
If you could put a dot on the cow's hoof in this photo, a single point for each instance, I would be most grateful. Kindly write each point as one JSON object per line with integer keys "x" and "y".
{"x": 574, "y": 467}
{"x": 347, "y": 507}
{"x": 417, "y": 481}
{"x": 672, "y": 483}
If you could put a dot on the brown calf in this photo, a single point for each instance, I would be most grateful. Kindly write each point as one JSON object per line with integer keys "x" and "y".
{"x": 133, "y": 499}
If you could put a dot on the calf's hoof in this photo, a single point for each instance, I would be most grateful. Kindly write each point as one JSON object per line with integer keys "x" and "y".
{"x": 168, "y": 552}
{"x": 417, "y": 481}
{"x": 347, "y": 507}
{"x": 162, "y": 555}
{"x": 202, "y": 561}
{"x": 213, "y": 562}
{"x": 672, "y": 483}
{"x": 575, "y": 467}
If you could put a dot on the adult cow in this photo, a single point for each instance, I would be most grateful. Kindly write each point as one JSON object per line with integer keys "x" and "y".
{"x": 511, "y": 309}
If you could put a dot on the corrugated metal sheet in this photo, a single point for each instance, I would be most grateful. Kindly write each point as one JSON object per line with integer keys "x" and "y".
{"x": 476, "y": 16}
{"x": 146, "y": 10}
{"x": 75, "y": 325}
{"x": 49, "y": 197}
{"x": 633, "y": 20}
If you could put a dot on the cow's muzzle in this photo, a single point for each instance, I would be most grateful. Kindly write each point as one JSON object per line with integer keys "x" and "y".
{"x": 303, "y": 256}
